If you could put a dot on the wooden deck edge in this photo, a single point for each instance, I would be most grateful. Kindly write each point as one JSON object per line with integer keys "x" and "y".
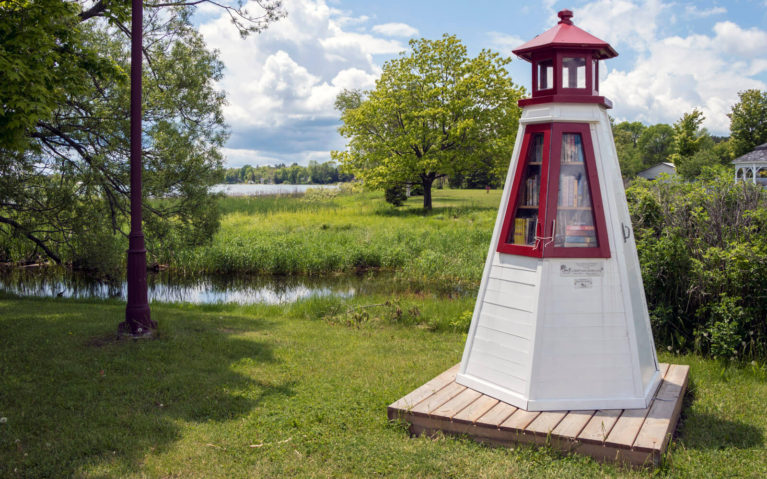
{"x": 603, "y": 451}
{"x": 499, "y": 438}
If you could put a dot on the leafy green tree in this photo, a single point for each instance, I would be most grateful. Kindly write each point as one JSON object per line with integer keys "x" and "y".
{"x": 433, "y": 112}
{"x": 748, "y": 121}
{"x": 626, "y": 136}
{"x": 689, "y": 134}
{"x": 692, "y": 144}
{"x": 64, "y": 144}
{"x": 655, "y": 144}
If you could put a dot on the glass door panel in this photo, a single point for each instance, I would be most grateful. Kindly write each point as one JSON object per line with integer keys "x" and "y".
{"x": 524, "y": 214}
{"x": 574, "y": 226}
{"x": 522, "y": 230}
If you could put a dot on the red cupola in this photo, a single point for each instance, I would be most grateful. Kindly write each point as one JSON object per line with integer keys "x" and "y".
{"x": 565, "y": 62}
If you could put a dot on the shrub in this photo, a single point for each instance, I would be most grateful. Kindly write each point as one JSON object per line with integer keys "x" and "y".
{"x": 395, "y": 195}
{"x": 703, "y": 250}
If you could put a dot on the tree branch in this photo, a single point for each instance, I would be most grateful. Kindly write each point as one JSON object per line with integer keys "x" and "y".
{"x": 31, "y": 237}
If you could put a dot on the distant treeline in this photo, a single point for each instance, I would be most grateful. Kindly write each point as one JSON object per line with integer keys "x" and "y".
{"x": 313, "y": 174}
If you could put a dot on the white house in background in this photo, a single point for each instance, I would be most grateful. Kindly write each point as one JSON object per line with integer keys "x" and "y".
{"x": 752, "y": 166}
{"x": 654, "y": 171}
{"x": 561, "y": 321}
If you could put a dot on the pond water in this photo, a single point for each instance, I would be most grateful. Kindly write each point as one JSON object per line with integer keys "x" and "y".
{"x": 242, "y": 189}
{"x": 167, "y": 287}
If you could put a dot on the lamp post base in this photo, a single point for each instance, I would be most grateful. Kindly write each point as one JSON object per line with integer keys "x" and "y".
{"x": 138, "y": 323}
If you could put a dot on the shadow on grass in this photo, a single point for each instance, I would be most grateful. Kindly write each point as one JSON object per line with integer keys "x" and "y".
{"x": 75, "y": 398}
{"x": 708, "y": 431}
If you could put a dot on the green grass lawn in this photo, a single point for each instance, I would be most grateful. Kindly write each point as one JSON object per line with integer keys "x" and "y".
{"x": 261, "y": 391}
{"x": 323, "y": 233}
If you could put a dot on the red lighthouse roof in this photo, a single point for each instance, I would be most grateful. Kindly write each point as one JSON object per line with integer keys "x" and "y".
{"x": 566, "y": 35}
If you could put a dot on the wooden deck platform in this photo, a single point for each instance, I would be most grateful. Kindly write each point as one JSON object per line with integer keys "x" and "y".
{"x": 636, "y": 436}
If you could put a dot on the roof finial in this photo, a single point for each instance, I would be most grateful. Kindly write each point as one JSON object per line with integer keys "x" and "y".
{"x": 565, "y": 16}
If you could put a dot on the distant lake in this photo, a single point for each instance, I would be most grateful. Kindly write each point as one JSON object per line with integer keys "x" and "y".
{"x": 243, "y": 189}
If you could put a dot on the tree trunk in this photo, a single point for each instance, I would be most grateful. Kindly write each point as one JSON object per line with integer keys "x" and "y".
{"x": 426, "y": 181}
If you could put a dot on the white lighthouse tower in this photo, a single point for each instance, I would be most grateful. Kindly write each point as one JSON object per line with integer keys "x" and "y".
{"x": 561, "y": 320}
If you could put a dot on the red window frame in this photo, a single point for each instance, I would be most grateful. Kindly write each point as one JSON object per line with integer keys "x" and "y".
{"x": 602, "y": 250}
{"x": 511, "y": 208}
{"x": 549, "y": 194}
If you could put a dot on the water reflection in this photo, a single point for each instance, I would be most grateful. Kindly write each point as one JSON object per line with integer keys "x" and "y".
{"x": 167, "y": 287}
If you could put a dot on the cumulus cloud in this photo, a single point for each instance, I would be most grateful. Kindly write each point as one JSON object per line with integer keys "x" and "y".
{"x": 672, "y": 74}
{"x": 622, "y": 23}
{"x": 395, "y": 30}
{"x": 281, "y": 84}
{"x": 504, "y": 42}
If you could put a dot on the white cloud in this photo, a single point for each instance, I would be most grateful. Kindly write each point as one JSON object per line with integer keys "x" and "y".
{"x": 504, "y": 43}
{"x": 281, "y": 85}
{"x": 668, "y": 75}
{"x": 621, "y": 22}
{"x": 395, "y": 30}
{"x": 675, "y": 74}
{"x": 735, "y": 41}
{"x": 695, "y": 11}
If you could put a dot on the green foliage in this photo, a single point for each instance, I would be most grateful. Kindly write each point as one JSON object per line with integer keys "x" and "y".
{"x": 748, "y": 121}
{"x": 656, "y": 144}
{"x": 44, "y": 57}
{"x": 689, "y": 136}
{"x": 434, "y": 112}
{"x": 395, "y": 195}
{"x": 690, "y": 168}
{"x": 703, "y": 250}
{"x": 639, "y": 147}
{"x": 67, "y": 184}
{"x": 626, "y": 137}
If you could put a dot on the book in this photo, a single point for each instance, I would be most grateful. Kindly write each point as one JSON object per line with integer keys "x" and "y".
{"x": 519, "y": 231}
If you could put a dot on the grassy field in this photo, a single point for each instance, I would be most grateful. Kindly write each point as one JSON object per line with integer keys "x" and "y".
{"x": 320, "y": 233}
{"x": 291, "y": 390}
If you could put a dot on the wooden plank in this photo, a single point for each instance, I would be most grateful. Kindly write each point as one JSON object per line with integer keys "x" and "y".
{"x": 457, "y": 404}
{"x": 406, "y": 403}
{"x": 437, "y": 399}
{"x": 519, "y": 420}
{"x": 600, "y": 425}
{"x": 664, "y": 412}
{"x": 546, "y": 422}
{"x": 495, "y": 416}
{"x": 627, "y": 427}
{"x": 572, "y": 424}
{"x": 475, "y": 410}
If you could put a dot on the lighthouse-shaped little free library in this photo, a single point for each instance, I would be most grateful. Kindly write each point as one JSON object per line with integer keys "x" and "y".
{"x": 561, "y": 320}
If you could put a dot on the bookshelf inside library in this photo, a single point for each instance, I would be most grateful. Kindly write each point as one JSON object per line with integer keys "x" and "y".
{"x": 523, "y": 228}
{"x": 574, "y": 224}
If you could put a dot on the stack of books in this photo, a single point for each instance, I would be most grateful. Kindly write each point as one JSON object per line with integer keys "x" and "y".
{"x": 574, "y": 191}
{"x": 580, "y": 236}
{"x": 524, "y": 231}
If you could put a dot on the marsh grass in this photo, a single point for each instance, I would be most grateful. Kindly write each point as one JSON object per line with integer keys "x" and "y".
{"x": 271, "y": 391}
{"x": 315, "y": 235}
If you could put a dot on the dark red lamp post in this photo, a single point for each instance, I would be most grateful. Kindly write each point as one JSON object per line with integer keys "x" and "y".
{"x": 138, "y": 321}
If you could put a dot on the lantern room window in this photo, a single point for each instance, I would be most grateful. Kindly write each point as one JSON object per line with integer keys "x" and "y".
{"x": 573, "y": 72}
{"x": 545, "y": 74}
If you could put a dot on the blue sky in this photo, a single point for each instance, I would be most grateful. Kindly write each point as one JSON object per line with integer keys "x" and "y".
{"x": 281, "y": 84}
